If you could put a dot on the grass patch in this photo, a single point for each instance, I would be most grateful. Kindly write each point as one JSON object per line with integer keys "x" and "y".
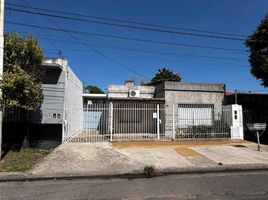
{"x": 23, "y": 160}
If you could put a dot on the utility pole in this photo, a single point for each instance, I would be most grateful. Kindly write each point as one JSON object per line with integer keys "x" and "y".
{"x": 2, "y": 9}
{"x": 235, "y": 96}
{"x": 60, "y": 53}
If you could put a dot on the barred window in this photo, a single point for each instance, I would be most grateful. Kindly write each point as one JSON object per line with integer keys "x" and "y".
{"x": 195, "y": 114}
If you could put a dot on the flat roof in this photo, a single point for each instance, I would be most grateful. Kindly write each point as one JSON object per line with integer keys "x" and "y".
{"x": 185, "y": 86}
{"x": 245, "y": 93}
{"x": 136, "y": 99}
{"x": 94, "y": 95}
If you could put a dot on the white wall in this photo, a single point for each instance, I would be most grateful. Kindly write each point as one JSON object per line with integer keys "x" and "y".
{"x": 73, "y": 103}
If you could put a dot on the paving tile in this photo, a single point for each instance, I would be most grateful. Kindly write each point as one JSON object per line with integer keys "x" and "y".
{"x": 233, "y": 155}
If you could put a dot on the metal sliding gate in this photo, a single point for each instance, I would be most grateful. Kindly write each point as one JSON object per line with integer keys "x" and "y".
{"x": 120, "y": 121}
{"x": 137, "y": 121}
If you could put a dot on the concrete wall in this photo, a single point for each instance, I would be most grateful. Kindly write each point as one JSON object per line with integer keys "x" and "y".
{"x": 73, "y": 103}
{"x": 188, "y": 93}
{"x": 191, "y": 93}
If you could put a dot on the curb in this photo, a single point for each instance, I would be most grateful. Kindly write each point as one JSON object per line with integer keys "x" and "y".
{"x": 138, "y": 174}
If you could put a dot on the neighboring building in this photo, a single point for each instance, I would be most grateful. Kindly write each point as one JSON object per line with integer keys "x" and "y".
{"x": 62, "y": 104}
{"x": 255, "y": 109}
{"x": 255, "y": 105}
{"x": 249, "y": 100}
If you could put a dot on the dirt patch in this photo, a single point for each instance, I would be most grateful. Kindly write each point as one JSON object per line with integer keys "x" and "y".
{"x": 175, "y": 144}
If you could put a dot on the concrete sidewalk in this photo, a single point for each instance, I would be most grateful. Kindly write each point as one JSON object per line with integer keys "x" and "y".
{"x": 106, "y": 159}
{"x": 85, "y": 158}
{"x": 194, "y": 154}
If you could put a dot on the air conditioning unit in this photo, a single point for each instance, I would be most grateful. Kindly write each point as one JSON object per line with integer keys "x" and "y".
{"x": 134, "y": 93}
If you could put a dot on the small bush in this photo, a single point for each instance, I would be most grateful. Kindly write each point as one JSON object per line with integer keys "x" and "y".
{"x": 201, "y": 129}
{"x": 149, "y": 171}
{"x": 220, "y": 126}
{"x": 204, "y": 131}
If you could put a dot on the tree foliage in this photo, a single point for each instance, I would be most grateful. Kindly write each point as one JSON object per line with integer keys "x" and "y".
{"x": 257, "y": 43}
{"x": 94, "y": 89}
{"x": 23, "y": 72}
{"x": 25, "y": 53}
{"x": 19, "y": 90}
{"x": 164, "y": 74}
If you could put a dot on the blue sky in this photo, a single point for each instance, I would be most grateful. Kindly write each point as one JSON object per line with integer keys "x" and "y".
{"x": 194, "y": 64}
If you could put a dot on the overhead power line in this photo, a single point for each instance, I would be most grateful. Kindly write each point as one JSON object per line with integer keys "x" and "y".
{"x": 125, "y": 38}
{"x": 91, "y": 48}
{"x": 178, "y": 59}
{"x": 208, "y": 59}
{"x": 131, "y": 26}
{"x": 51, "y": 43}
{"x": 147, "y": 51}
{"x": 125, "y": 21}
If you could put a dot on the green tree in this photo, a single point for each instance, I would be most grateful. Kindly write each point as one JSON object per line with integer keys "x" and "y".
{"x": 19, "y": 90}
{"x": 257, "y": 43}
{"x": 94, "y": 89}
{"x": 23, "y": 72}
{"x": 164, "y": 74}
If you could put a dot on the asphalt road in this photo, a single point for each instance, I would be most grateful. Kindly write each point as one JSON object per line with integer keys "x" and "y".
{"x": 252, "y": 185}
